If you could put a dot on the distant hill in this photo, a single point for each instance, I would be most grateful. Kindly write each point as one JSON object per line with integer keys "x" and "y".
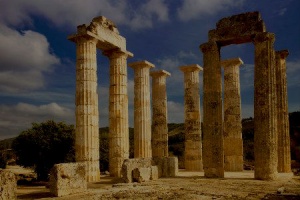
{"x": 6, "y": 143}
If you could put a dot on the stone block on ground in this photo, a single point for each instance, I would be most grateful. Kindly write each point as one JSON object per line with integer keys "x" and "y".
{"x": 167, "y": 166}
{"x": 130, "y": 164}
{"x": 68, "y": 178}
{"x": 141, "y": 174}
{"x": 8, "y": 185}
{"x": 154, "y": 173}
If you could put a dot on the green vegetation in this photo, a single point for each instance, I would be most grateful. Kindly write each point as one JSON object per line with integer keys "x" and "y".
{"x": 44, "y": 145}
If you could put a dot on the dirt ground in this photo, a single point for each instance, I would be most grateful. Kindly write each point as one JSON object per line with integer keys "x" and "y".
{"x": 187, "y": 185}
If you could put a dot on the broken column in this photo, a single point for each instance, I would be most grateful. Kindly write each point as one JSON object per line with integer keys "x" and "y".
{"x": 87, "y": 116}
{"x": 284, "y": 152}
{"x": 212, "y": 143}
{"x": 142, "y": 110}
{"x": 159, "y": 114}
{"x": 118, "y": 111}
{"x": 192, "y": 126}
{"x": 265, "y": 126}
{"x": 233, "y": 141}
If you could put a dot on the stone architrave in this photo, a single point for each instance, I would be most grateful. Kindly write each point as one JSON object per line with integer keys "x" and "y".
{"x": 159, "y": 114}
{"x": 233, "y": 141}
{"x": 284, "y": 152}
{"x": 265, "y": 123}
{"x": 192, "y": 126}
{"x": 142, "y": 110}
{"x": 212, "y": 143}
{"x": 101, "y": 33}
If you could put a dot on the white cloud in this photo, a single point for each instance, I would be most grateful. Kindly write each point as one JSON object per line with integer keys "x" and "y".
{"x": 76, "y": 12}
{"x": 192, "y": 9}
{"x": 16, "y": 118}
{"x": 23, "y": 60}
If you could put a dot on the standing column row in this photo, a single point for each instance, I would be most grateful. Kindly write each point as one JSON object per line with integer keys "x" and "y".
{"x": 284, "y": 152}
{"x": 233, "y": 141}
{"x": 192, "y": 126}
{"x": 87, "y": 116}
{"x": 159, "y": 114}
{"x": 142, "y": 109}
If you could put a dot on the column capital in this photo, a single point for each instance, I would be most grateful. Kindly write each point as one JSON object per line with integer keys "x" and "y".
{"x": 114, "y": 53}
{"x": 191, "y": 68}
{"x": 282, "y": 53}
{"x": 231, "y": 62}
{"x": 159, "y": 73}
{"x": 141, "y": 64}
{"x": 262, "y": 37}
{"x": 209, "y": 46}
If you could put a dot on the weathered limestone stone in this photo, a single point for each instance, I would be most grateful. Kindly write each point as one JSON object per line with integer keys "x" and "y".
{"x": 118, "y": 111}
{"x": 141, "y": 174}
{"x": 101, "y": 34}
{"x": 8, "y": 185}
{"x": 142, "y": 110}
{"x": 237, "y": 29}
{"x": 130, "y": 164}
{"x": 284, "y": 152}
{"x": 167, "y": 166}
{"x": 154, "y": 173}
{"x": 213, "y": 154}
{"x": 233, "y": 141}
{"x": 159, "y": 114}
{"x": 192, "y": 126}
{"x": 87, "y": 115}
{"x": 265, "y": 126}
{"x": 68, "y": 178}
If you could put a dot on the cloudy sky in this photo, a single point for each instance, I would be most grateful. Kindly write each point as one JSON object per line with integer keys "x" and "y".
{"x": 37, "y": 62}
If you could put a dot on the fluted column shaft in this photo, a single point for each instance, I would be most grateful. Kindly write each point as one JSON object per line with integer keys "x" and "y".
{"x": 142, "y": 115}
{"x": 87, "y": 114}
{"x": 233, "y": 141}
{"x": 192, "y": 126}
{"x": 265, "y": 126}
{"x": 118, "y": 112}
{"x": 159, "y": 114}
{"x": 284, "y": 152}
{"x": 213, "y": 153}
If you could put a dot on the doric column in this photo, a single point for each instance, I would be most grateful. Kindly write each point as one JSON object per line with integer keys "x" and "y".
{"x": 284, "y": 152}
{"x": 87, "y": 114}
{"x": 142, "y": 115}
{"x": 159, "y": 114}
{"x": 233, "y": 141}
{"x": 118, "y": 111}
{"x": 265, "y": 126}
{"x": 213, "y": 153}
{"x": 192, "y": 126}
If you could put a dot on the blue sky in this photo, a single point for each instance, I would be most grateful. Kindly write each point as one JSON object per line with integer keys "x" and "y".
{"x": 37, "y": 62}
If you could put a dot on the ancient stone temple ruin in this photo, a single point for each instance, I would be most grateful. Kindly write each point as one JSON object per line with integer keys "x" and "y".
{"x": 221, "y": 146}
{"x": 100, "y": 34}
{"x": 237, "y": 29}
